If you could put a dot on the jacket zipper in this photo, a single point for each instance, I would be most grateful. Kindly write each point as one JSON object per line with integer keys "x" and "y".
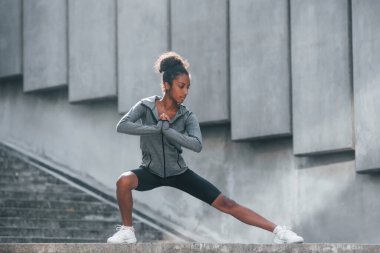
{"x": 163, "y": 152}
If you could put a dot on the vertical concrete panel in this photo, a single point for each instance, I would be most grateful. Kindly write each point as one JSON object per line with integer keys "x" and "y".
{"x": 10, "y": 38}
{"x": 366, "y": 61}
{"x": 142, "y": 37}
{"x": 321, "y": 75}
{"x": 199, "y": 33}
{"x": 92, "y": 50}
{"x": 260, "y": 82}
{"x": 45, "y": 44}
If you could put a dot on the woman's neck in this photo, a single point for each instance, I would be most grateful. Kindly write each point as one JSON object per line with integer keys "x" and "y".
{"x": 169, "y": 104}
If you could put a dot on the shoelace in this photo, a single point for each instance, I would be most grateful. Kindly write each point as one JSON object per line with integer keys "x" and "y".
{"x": 122, "y": 227}
{"x": 287, "y": 227}
{"x": 285, "y": 230}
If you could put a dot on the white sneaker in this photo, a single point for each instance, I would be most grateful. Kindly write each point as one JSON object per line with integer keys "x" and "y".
{"x": 124, "y": 234}
{"x": 284, "y": 234}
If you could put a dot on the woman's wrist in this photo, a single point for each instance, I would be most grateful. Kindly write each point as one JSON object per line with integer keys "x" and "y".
{"x": 159, "y": 125}
{"x": 165, "y": 125}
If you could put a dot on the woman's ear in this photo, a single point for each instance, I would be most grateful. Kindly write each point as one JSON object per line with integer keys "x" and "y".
{"x": 166, "y": 86}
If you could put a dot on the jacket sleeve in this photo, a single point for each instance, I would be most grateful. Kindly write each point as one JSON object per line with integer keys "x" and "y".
{"x": 193, "y": 139}
{"x": 128, "y": 124}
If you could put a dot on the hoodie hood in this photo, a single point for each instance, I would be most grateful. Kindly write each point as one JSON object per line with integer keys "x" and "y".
{"x": 150, "y": 102}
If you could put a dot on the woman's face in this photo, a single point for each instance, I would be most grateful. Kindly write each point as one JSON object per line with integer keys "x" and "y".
{"x": 180, "y": 88}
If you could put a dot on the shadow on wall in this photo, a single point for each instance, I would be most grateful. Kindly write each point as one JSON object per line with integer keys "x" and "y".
{"x": 15, "y": 85}
{"x": 305, "y": 162}
{"x": 338, "y": 205}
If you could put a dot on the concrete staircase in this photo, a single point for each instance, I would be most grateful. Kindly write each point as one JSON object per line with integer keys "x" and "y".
{"x": 36, "y": 207}
{"x": 188, "y": 248}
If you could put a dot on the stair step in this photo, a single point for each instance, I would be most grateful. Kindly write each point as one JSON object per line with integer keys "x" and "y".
{"x": 48, "y": 188}
{"x": 63, "y": 233}
{"x": 28, "y": 195}
{"x": 20, "y": 170}
{"x": 37, "y": 207}
{"x": 24, "y": 173}
{"x": 30, "y": 180}
{"x": 43, "y": 204}
{"x": 23, "y": 239}
{"x": 20, "y": 223}
{"x": 59, "y": 213}
{"x": 15, "y": 164}
{"x": 34, "y": 173}
{"x": 89, "y": 222}
{"x": 72, "y": 233}
{"x": 53, "y": 223}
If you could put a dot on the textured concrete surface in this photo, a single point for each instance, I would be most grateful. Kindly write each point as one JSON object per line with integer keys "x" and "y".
{"x": 366, "y": 59}
{"x": 321, "y": 197}
{"x": 142, "y": 29}
{"x": 92, "y": 50}
{"x": 260, "y": 71}
{"x": 188, "y": 248}
{"x": 321, "y": 74}
{"x": 200, "y": 35}
{"x": 333, "y": 197}
{"x": 68, "y": 125}
{"x": 10, "y": 38}
{"x": 36, "y": 206}
{"x": 45, "y": 44}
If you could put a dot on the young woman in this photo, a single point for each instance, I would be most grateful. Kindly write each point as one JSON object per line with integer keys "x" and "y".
{"x": 165, "y": 126}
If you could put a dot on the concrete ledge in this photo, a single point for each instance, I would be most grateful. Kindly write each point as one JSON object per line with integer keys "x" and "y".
{"x": 188, "y": 247}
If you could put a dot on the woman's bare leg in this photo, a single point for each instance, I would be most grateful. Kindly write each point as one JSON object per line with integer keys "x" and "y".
{"x": 242, "y": 213}
{"x": 125, "y": 184}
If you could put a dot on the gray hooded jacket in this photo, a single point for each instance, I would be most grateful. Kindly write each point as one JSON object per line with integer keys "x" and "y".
{"x": 161, "y": 141}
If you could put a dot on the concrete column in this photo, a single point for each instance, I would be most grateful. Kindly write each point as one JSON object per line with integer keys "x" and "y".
{"x": 321, "y": 75}
{"x": 142, "y": 37}
{"x": 10, "y": 38}
{"x": 366, "y": 62}
{"x": 260, "y": 71}
{"x": 92, "y": 49}
{"x": 45, "y": 44}
{"x": 199, "y": 33}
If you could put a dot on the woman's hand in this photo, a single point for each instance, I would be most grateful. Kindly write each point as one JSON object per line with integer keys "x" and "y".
{"x": 163, "y": 116}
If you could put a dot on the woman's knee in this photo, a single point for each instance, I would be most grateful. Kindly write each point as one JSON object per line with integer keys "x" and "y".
{"x": 127, "y": 180}
{"x": 224, "y": 204}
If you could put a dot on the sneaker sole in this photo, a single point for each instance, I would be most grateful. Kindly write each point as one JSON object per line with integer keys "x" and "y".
{"x": 133, "y": 240}
{"x": 279, "y": 241}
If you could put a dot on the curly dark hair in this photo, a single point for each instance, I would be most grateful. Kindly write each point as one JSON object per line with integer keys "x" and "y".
{"x": 171, "y": 65}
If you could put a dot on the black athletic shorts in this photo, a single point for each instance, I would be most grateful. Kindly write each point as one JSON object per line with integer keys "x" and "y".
{"x": 188, "y": 181}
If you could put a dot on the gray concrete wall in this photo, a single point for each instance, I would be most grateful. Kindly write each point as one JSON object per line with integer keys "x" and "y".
{"x": 142, "y": 36}
{"x": 322, "y": 197}
{"x": 321, "y": 76}
{"x": 260, "y": 69}
{"x": 69, "y": 131}
{"x": 92, "y": 50}
{"x": 366, "y": 44}
{"x": 44, "y": 44}
{"x": 10, "y": 38}
{"x": 199, "y": 34}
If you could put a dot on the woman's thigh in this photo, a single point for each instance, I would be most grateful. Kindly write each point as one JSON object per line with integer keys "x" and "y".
{"x": 146, "y": 180}
{"x": 194, "y": 185}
